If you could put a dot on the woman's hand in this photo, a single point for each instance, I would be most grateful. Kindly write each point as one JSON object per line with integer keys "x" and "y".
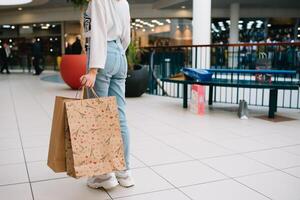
{"x": 89, "y": 79}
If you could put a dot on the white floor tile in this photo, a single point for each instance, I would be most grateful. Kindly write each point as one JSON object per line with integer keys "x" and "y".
{"x": 40, "y": 171}
{"x": 167, "y": 195}
{"x": 10, "y": 133}
{"x": 188, "y": 173}
{"x": 222, "y": 190}
{"x": 36, "y": 141}
{"x": 66, "y": 189}
{"x": 293, "y": 171}
{"x": 36, "y": 154}
{"x": 11, "y": 174}
{"x": 16, "y": 192}
{"x": 160, "y": 154}
{"x": 275, "y": 140}
{"x": 275, "y": 185}
{"x": 135, "y": 163}
{"x": 242, "y": 145}
{"x": 276, "y": 158}
{"x": 11, "y": 157}
{"x": 292, "y": 149}
{"x": 195, "y": 147}
{"x": 10, "y": 143}
{"x": 236, "y": 165}
{"x": 146, "y": 181}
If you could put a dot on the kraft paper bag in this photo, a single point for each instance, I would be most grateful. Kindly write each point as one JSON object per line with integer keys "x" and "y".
{"x": 57, "y": 154}
{"x": 94, "y": 144}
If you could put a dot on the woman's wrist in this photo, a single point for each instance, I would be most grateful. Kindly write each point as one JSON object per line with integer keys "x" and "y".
{"x": 93, "y": 71}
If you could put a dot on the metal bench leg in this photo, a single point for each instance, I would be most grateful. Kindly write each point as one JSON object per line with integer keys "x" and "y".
{"x": 276, "y": 100}
{"x": 211, "y": 94}
{"x": 273, "y": 103}
{"x": 185, "y": 95}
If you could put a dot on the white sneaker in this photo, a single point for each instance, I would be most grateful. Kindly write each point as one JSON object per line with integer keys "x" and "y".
{"x": 125, "y": 179}
{"x": 107, "y": 181}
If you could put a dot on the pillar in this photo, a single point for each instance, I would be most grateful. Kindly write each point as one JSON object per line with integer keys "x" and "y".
{"x": 234, "y": 22}
{"x": 62, "y": 37}
{"x": 234, "y": 35}
{"x": 201, "y": 32}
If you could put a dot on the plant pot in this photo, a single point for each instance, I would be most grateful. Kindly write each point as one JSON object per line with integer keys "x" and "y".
{"x": 72, "y": 68}
{"x": 137, "y": 81}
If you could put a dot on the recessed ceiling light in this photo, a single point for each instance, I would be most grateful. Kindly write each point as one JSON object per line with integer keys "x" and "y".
{"x": 183, "y": 7}
{"x": 14, "y": 2}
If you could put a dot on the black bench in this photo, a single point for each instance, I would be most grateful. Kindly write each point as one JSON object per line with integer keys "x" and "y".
{"x": 274, "y": 86}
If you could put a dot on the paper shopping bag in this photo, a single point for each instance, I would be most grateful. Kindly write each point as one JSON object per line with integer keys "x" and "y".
{"x": 94, "y": 145}
{"x": 57, "y": 154}
{"x": 197, "y": 102}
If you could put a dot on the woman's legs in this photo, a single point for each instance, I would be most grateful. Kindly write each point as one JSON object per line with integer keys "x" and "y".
{"x": 117, "y": 89}
{"x": 111, "y": 82}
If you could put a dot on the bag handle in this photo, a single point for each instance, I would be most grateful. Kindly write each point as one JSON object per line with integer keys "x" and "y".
{"x": 83, "y": 89}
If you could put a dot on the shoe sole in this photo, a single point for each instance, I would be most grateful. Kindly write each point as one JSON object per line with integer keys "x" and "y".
{"x": 104, "y": 185}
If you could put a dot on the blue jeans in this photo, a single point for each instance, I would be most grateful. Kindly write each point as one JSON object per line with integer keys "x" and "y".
{"x": 110, "y": 81}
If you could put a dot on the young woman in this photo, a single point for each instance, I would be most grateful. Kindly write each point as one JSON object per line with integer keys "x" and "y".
{"x": 107, "y": 24}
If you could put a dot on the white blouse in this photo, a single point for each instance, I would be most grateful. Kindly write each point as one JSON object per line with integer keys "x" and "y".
{"x": 106, "y": 20}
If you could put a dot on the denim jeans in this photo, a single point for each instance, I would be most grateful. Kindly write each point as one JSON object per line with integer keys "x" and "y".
{"x": 110, "y": 81}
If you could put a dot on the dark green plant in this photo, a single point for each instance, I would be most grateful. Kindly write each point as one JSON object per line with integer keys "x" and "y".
{"x": 79, "y": 3}
{"x": 133, "y": 55}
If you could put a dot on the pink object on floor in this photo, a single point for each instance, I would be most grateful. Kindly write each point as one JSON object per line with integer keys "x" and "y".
{"x": 197, "y": 103}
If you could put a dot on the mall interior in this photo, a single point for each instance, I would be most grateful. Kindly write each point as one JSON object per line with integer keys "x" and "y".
{"x": 188, "y": 139}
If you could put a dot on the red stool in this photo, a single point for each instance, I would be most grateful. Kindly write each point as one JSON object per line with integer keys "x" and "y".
{"x": 72, "y": 68}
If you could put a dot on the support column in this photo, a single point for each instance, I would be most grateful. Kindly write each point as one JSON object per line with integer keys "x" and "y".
{"x": 234, "y": 35}
{"x": 63, "y": 45}
{"x": 234, "y": 22}
{"x": 201, "y": 32}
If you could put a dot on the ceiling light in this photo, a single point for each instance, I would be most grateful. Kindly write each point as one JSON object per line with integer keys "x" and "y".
{"x": 6, "y": 26}
{"x": 20, "y": 9}
{"x": 13, "y": 27}
{"x": 298, "y": 28}
{"x": 168, "y": 21}
{"x": 183, "y": 7}
{"x": 14, "y": 2}
{"x": 269, "y": 25}
{"x": 25, "y": 27}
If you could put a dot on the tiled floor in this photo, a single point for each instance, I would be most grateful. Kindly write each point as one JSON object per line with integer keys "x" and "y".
{"x": 176, "y": 155}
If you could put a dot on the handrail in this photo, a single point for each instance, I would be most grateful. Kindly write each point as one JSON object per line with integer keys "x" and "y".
{"x": 227, "y": 45}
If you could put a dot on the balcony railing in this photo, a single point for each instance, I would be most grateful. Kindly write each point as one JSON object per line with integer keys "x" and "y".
{"x": 167, "y": 61}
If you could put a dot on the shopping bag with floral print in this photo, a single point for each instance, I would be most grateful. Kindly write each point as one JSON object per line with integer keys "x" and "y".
{"x": 94, "y": 144}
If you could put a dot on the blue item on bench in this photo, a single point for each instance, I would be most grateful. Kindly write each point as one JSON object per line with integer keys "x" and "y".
{"x": 198, "y": 74}
{"x": 249, "y": 71}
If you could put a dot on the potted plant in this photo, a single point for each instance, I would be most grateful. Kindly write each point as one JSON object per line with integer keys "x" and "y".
{"x": 74, "y": 66}
{"x": 137, "y": 75}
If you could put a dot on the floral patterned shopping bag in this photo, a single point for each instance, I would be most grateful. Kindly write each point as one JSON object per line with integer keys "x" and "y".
{"x": 94, "y": 144}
